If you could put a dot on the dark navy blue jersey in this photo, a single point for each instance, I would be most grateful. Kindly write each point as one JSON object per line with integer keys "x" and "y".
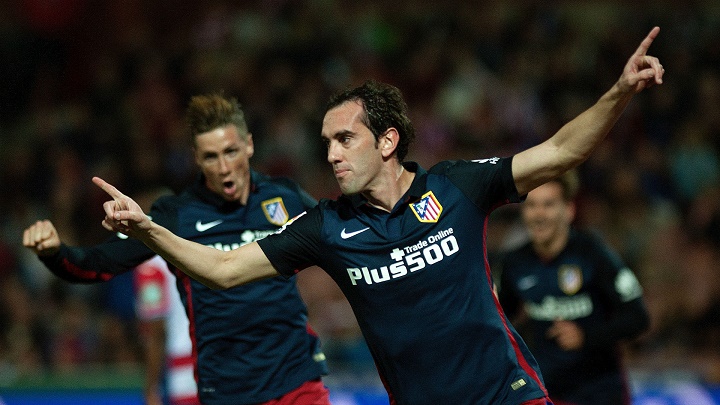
{"x": 252, "y": 342}
{"x": 586, "y": 283}
{"x": 420, "y": 286}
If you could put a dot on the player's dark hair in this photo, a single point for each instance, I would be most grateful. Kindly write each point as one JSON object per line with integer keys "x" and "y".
{"x": 210, "y": 111}
{"x": 384, "y": 108}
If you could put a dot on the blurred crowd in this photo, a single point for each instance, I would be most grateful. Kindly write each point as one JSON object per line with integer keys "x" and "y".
{"x": 91, "y": 87}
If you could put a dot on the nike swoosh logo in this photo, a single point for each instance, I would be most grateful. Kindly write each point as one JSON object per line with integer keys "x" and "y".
{"x": 346, "y": 235}
{"x": 204, "y": 227}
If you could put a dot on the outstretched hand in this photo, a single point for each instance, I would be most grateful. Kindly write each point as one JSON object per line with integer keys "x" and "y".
{"x": 123, "y": 214}
{"x": 642, "y": 71}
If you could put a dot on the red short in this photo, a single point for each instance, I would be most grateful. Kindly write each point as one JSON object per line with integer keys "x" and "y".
{"x": 310, "y": 393}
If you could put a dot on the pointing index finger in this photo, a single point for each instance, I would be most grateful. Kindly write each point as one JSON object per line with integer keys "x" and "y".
{"x": 108, "y": 188}
{"x": 645, "y": 44}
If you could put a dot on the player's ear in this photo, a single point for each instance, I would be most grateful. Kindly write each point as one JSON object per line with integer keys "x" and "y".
{"x": 249, "y": 145}
{"x": 388, "y": 142}
{"x": 572, "y": 210}
{"x": 195, "y": 155}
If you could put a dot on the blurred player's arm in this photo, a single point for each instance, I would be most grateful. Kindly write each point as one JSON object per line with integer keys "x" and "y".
{"x": 628, "y": 317}
{"x": 628, "y": 320}
{"x": 91, "y": 264}
{"x": 567, "y": 334}
{"x": 622, "y": 296}
{"x": 153, "y": 300}
{"x": 213, "y": 268}
{"x": 101, "y": 262}
{"x": 153, "y": 334}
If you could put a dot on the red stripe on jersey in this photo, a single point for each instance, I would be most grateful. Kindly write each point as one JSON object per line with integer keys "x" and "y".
{"x": 385, "y": 384}
{"x": 85, "y": 274}
{"x": 521, "y": 358}
{"x": 310, "y": 330}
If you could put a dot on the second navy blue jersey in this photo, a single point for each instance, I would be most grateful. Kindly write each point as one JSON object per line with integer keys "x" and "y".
{"x": 420, "y": 286}
{"x": 252, "y": 342}
{"x": 586, "y": 283}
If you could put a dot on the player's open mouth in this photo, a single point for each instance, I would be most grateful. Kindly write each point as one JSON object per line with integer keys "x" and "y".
{"x": 229, "y": 187}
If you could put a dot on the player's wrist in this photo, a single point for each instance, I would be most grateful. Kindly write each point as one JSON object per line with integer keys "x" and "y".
{"x": 49, "y": 251}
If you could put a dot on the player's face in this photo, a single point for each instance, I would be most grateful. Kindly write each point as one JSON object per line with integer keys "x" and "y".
{"x": 351, "y": 148}
{"x": 546, "y": 214}
{"x": 223, "y": 156}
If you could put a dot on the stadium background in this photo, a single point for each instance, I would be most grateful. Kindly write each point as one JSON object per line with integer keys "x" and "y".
{"x": 92, "y": 87}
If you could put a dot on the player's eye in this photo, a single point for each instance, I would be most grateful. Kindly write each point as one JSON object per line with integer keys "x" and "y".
{"x": 210, "y": 159}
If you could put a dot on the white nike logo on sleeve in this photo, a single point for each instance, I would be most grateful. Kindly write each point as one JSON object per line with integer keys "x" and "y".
{"x": 346, "y": 235}
{"x": 204, "y": 227}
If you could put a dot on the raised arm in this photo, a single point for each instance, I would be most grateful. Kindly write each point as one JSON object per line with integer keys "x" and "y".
{"x": 574, "y": 142}
{"x": 212, "y": 267}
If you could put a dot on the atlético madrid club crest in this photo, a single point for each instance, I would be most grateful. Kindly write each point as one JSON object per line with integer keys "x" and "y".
{"x": 428, "y": 209}
{"x": 570, "y": 279}
{"x": 275, "y": 211}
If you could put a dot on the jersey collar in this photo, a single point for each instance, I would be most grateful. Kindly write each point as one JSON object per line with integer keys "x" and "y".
{"x": 418, "y": 186}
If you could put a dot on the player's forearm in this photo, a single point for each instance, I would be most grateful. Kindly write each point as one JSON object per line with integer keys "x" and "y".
{"x": 631, "y": 320}
{"x": 202, "y": 263}
{"x": 95, "y": 264}
{"x": 214, "y": 268}
{"x": 571, "y": 145}
{"x": 579, "y": 137}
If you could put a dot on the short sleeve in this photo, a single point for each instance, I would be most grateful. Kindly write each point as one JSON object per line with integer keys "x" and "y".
{"x": 487, "y": 182}
{"x": 297, "y": 245}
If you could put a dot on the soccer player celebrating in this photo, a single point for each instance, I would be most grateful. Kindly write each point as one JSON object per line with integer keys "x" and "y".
{"x": 253, "y": 343}
{"x": 575, "y": 299}
{"x": 402, "y": 243}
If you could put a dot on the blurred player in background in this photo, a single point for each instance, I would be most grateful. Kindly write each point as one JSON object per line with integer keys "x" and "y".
{"x": 164, "y": 330}
{"x": 572, "y": 299}
{"x": 402, "y": 243}
{"x": 252, "y": 343}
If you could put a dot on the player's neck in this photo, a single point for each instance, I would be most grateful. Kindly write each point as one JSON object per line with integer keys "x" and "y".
{"x": 552, "y": 248}
{"x": 390, "y": 187}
